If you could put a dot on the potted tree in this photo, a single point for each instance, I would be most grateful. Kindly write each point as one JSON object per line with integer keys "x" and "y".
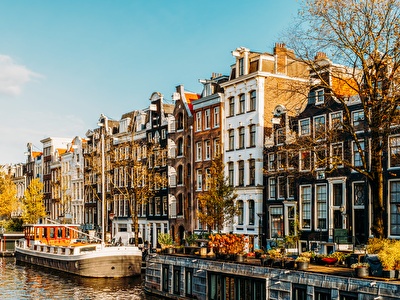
{"x": 361, "y": 269}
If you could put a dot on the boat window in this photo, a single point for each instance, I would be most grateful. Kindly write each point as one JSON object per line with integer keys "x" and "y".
{"x": 88, "y": 249}
{"x": 52, "y": 232}
{"x": 59, "y": 233}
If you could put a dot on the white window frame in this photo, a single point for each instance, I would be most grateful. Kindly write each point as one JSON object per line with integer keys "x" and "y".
{"x": 198, "y": 121}
{"x": 301, "y": 133}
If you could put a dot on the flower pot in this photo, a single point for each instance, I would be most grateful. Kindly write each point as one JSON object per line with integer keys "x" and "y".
{"x": 302, "y": 265}
{"x": 362, "y": 272}
{"x": 170, "y": 250}
{"x": 388, "y": 273}
{"x": 239, "y": 258}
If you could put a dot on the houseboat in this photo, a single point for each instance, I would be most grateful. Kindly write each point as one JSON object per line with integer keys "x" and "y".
{"x": 202, "y": 278}
{"x": 61, "y": 247}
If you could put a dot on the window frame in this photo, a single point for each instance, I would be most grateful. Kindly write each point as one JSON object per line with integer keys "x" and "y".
{"x": 302, "y": 127}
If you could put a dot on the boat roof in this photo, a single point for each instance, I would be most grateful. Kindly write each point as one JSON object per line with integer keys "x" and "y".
{"x": 51, "y": 225}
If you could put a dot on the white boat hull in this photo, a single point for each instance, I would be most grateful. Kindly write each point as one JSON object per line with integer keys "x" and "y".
{"x": 97, "y": 262}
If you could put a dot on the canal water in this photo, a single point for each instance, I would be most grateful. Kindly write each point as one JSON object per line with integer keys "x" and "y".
{"x": 31, "y": 282}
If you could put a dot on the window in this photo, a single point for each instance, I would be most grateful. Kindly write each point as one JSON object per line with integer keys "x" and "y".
{"x": 231, "y": 106}
{"x": 177, "y": 280}
{"x": 358, "y": 120}
{"x": 280, "y": 136}
{"x": 252, "y": 172}
{"x": 253, "y": 100}
{"x": 231, "y": 134}
{"x": 151, "y": 206}
{"x": 165, "y": 205}
{"x": 271, "y": 162}
{"x": 337, "y": 194}
{"x": 198, "y": 121}
{"x": 304, "y": 126}
{"x": 216, "y": 117}
{"x": 231, "y": 173}
{"x": 358, "y": 154}
{"x": 336, "y": 120}
{"x": 319, "y": 127}
{"x": 305, "y": 160}
{"x": 281, "y": 187}
{"x": 358, "y": 190}
{"x": 394, "y": 151}
{"x": 291, "y": 187}
{"x": 252, "y": 129}
{"x": 216, "y": 150}
{"x": 199, "y": 180}
{"x": 281, "y": 160}
{"x": 305, "y": 200}
{"x": 180, "y": 174}
{"x": 292, "y": 160}
{"x": 272, "y": 187}
{"x": 241, "y": 137}
{"x": 242, "y": 104}
{"x": 240, "y": 212}
{"x": 188, "y": 282}
{"x": 180, "y": 205}
{"x": 337, "y": 155}
{"x": 276, "y": 218}
{"x": 394, "y": 202}
{"x": 180, "y": 121}
{"x": 158, "y": 206}
{"x": 251, "y": 212}
{"x": 208, "y": 149}
{"x": 208, "y": 179}
{"x": 241, "y": 66}
{"x": 321, "y": 206}
{"x": 165, "y": 278}
{"x": 198, "y": 151}
{"x": 241, "y": 172}
{"x": 316, "y": 96}
{"x": 320, "y": 157}
{"x": 180, "y": 147}
{"x": 207, "y": 119}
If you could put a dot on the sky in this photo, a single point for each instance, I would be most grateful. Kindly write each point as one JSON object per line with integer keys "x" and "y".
{"x": 64, "y": 63}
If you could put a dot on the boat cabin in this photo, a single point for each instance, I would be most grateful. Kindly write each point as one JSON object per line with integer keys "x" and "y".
{"x": 51, "y": 234}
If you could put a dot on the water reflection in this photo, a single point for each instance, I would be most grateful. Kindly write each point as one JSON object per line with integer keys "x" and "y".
{"x": 32, "y": 282}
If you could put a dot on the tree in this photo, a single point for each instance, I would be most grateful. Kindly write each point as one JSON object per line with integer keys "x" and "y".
{"x": 8, "y": 196}
{"x": 217, "y": 203}
{"x": 363, "y": 35}
{"x": 138, "y": 178}
{"x": 33, "y": 207}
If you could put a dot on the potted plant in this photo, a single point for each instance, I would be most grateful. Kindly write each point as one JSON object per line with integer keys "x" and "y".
{"x": 191, "y": 239}
{"x": 165, "y": 240}
{"x": 361, "y": 269}
{"x": 303, "y": 261}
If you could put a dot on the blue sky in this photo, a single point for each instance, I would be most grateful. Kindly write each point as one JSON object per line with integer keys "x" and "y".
{"x": 63, "y": 63}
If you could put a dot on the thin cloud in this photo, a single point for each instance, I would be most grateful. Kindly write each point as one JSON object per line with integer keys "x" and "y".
{"x": 13, "y": 76}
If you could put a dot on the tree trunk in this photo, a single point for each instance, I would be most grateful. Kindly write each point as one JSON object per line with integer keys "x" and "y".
{"x": 376, "y": 183}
